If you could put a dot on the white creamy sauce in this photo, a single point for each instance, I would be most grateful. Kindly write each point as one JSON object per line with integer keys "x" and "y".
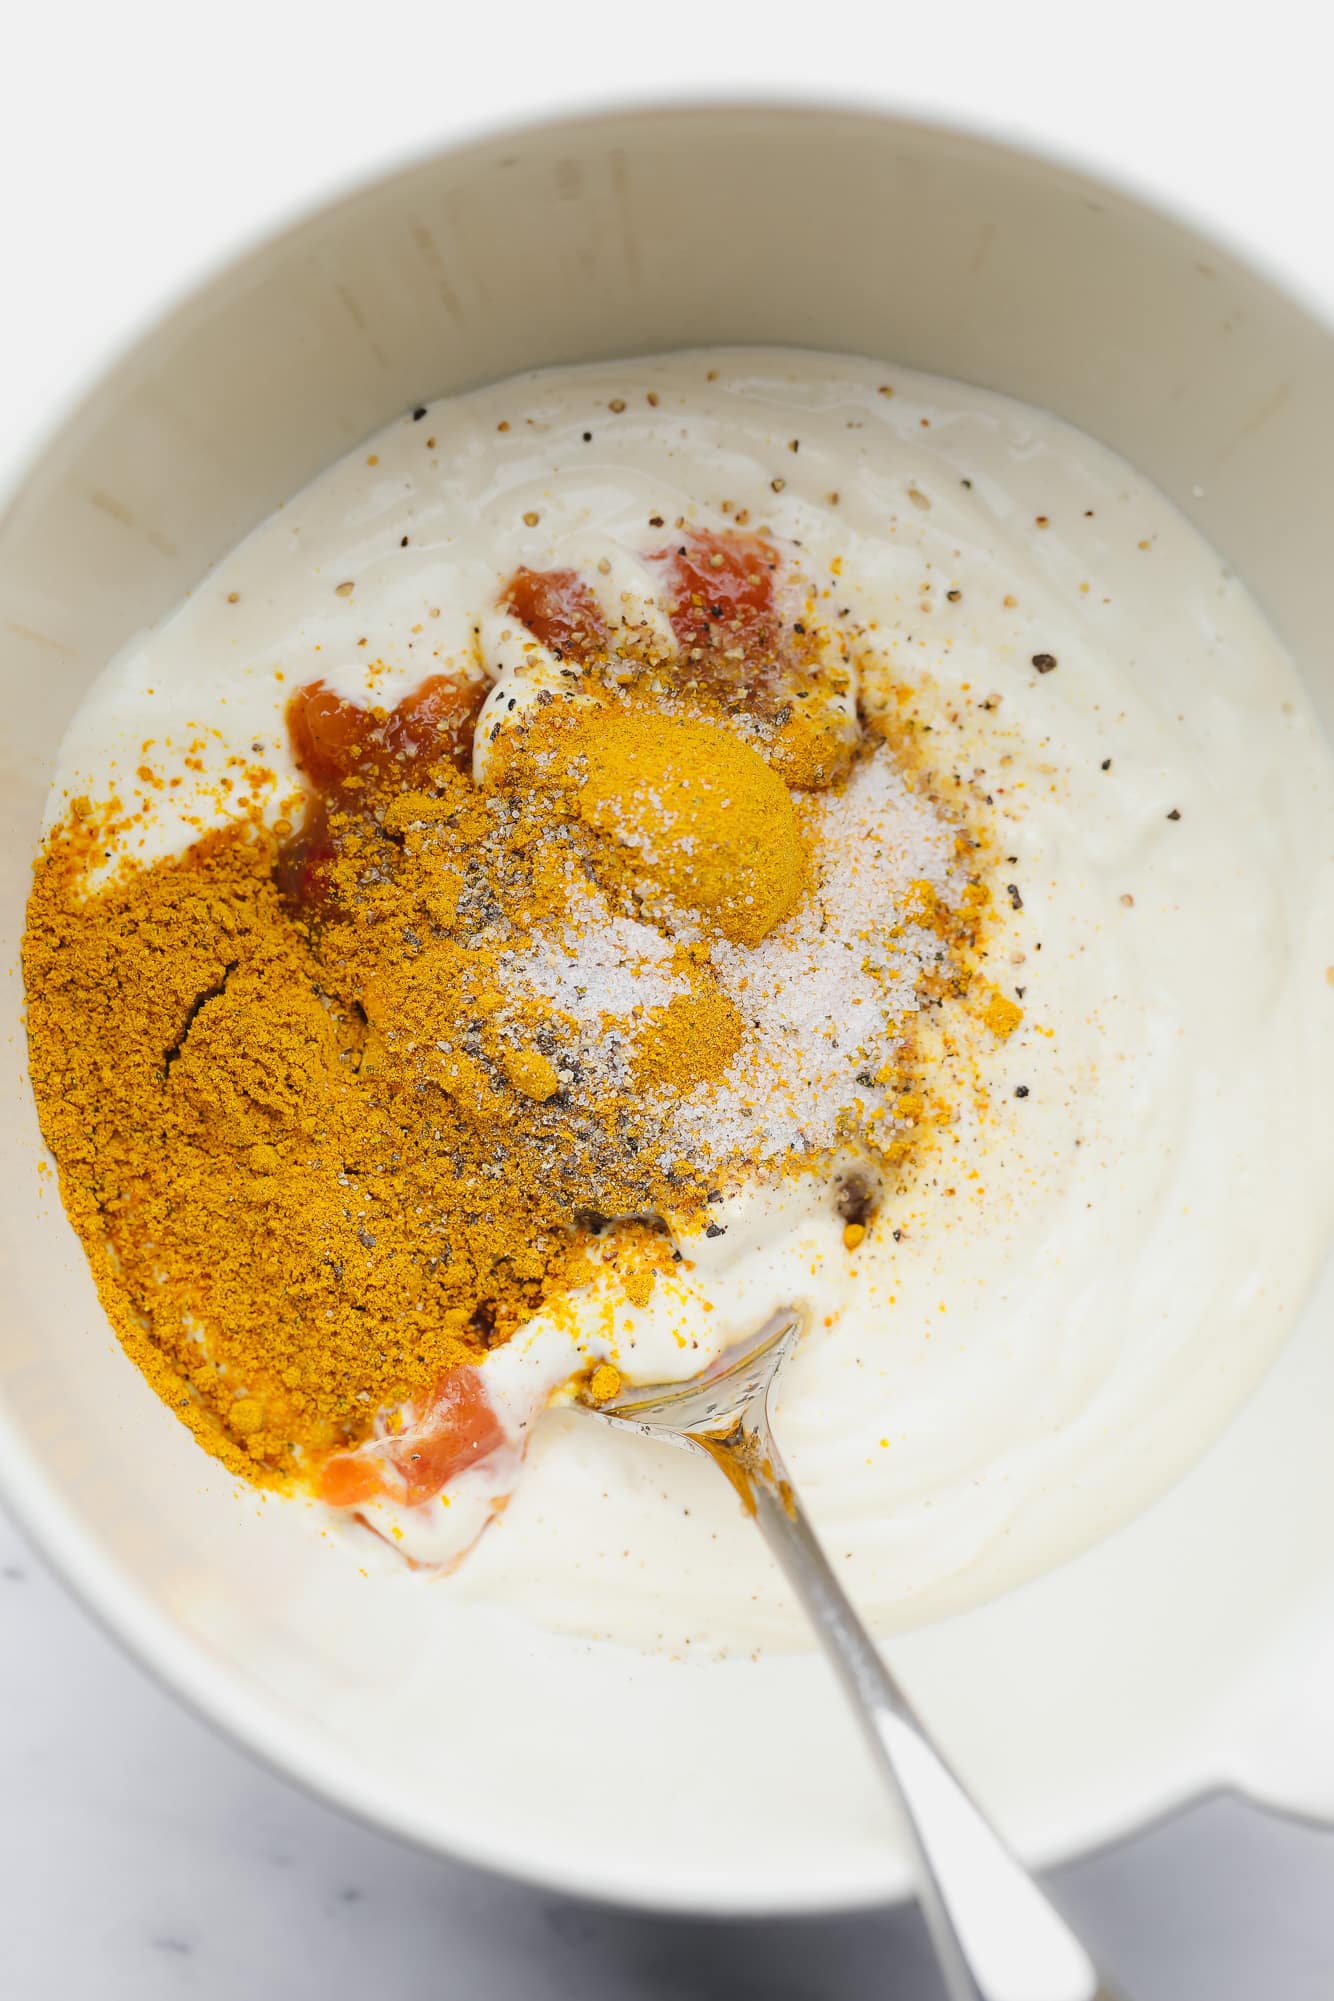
{"x": 1087, "y": 1280}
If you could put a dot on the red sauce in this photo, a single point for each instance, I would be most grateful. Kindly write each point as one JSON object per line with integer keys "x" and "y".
{"x": 721, "y": 589}
{"x": 349, "y": 1480}
{"x": 341, "y": 747}
{"x": 348, "y": 754}
{"x": 457, "y": 1430}
{"x": 558, "y": 608}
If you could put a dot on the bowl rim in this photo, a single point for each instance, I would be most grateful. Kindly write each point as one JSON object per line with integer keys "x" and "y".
{"x": 181, "y": 1665}
{"x": 222, "y": 259}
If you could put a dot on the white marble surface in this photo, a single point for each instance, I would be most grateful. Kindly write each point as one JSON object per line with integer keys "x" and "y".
{"x": 144, "y": 1859}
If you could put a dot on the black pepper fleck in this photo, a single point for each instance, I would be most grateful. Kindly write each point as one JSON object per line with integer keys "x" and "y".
{"x": 716, "y": 1230}
{"x": 1107, "y": 764}
{"x": 1044, "y": 662}
{"x": 1175, "y": 813}
{"x": 1012, "y": 891}
{"x": 954, "y": 596}
{"x": 419, "y": 413}
{"x": 1021, "y": 1090}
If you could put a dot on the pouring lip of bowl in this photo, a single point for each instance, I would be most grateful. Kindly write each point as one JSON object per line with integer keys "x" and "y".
{"x": 181, "y": 1665}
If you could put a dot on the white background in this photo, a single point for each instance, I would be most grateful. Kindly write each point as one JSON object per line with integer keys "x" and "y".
{"x": 139, "y": 1856}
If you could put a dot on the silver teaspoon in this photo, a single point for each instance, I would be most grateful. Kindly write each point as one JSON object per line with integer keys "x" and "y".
{"x": 996, "y": 1934}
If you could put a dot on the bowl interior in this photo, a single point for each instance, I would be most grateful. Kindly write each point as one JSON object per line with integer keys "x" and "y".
{"x": 1079, "y": 1703}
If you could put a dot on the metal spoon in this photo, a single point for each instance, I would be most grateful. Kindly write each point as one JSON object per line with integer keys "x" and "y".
{"x": 997, "y": 1936}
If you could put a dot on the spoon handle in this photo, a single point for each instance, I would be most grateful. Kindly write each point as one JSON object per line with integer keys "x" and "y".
{"x": 997, "y": 1936}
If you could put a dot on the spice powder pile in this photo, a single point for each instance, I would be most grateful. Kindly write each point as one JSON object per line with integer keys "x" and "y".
{"x": 335, "y": 1114}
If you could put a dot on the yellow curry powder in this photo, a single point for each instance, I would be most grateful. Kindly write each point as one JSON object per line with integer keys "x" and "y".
{"x": 316, "y": 1165}
{"x": 319, "y": 1157}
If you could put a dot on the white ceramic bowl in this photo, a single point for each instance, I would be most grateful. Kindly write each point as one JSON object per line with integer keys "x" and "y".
{"x": 1191, "y": 1650}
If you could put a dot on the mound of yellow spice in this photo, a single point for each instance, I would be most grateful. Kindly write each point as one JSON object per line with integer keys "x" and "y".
{"x": 699, "y": 809}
